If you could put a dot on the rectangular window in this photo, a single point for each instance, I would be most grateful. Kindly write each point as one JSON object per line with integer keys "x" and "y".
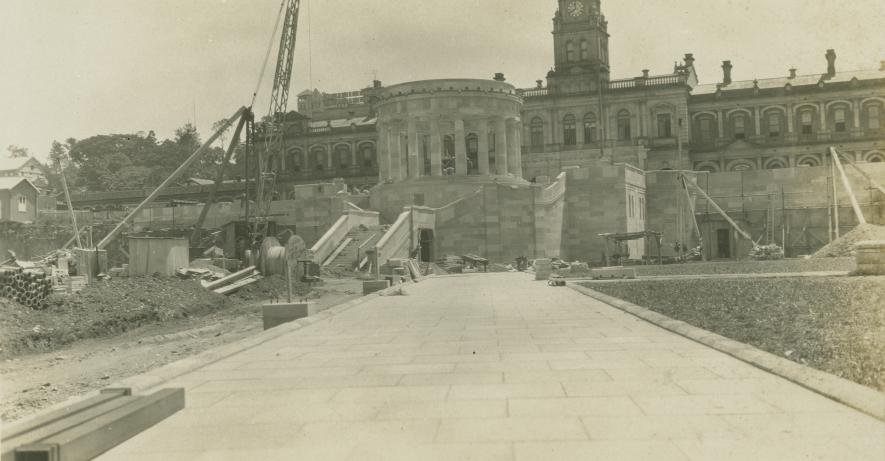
{"x": 664, "y": 127}
{"x": 589, "y": 132}
{"x": 873, "y": 117}
{"x": 22, "y": 204}
{"x": 807, "y": 124}
{"x": 840, "y": 120}
{"x": 706, "y": 126}
{"x": 774, "y": 125}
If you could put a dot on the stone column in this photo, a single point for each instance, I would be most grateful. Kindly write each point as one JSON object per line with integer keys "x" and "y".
{"x": 383, "y": 153}
{"x": 855, "y": 106}
{"x": 329, "y": 155}
{"x": 823, "y": 117}
{"x": 517, "y": 169}
{"x": 720, "y": 116}
{"x": 758, "y": 111}
{"x": 393, "y": 145}
{"x": 483, "y": 146}
{"x": 460, "y": 149}
{"x": 414, "y": 171}
{"x": 501, "y": 147}
{"x": 512, "y": 148}
{"x": 436, "y": 147}
{"x": 404, "y": 170}
{"x": 790, "y": 126}
{"x": 354, "y": 153}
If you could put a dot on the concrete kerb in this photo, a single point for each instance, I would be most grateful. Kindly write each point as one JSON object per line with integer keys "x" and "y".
{"x": 155, "y": 378}
{"x": 841, "y": 390}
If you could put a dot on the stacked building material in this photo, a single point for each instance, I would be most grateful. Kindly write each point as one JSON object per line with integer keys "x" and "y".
{"x": 26, "y": 287}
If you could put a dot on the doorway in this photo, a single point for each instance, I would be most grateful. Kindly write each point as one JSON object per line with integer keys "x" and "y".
{"x": 723, "y": 243}
{"x": 425, "y": 240}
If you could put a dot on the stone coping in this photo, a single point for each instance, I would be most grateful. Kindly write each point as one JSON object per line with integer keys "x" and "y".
{"x": 857, "y": 396}
{"x": 153, "y": 379}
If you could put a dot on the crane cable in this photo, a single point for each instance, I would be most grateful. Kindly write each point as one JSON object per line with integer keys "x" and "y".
{"x": 267, "y": 54}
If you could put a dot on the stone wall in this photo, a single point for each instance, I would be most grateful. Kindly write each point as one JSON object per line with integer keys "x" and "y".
{"x": 595, "y": 203}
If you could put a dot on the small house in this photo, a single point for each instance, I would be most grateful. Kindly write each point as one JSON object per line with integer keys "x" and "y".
{"x": 18, "y": 200}
{"x": 23, "y": 167}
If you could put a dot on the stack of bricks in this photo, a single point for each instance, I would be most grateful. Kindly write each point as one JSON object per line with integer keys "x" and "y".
{"x": 870, "y": 257}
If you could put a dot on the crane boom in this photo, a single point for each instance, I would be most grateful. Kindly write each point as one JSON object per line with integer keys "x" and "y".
{"x": 275, "y": 127}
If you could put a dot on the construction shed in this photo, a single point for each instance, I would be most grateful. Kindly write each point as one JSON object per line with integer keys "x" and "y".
{"x": 157, "y": 255}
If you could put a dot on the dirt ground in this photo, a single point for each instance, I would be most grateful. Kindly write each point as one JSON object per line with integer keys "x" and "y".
{"x": 50, "y": 372}
{"x": 834, "y": 324}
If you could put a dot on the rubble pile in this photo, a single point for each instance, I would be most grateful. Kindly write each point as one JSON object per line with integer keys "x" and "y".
{"x": 844, "y": 245}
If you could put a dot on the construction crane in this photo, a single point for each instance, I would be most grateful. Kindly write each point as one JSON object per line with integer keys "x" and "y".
{"x": 274, "y": 129}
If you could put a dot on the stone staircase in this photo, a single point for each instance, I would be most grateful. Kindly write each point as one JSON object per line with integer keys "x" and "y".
{"x": 354, "y": 245}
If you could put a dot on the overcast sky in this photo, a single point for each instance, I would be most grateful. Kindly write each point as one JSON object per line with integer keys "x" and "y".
{"x": 76, "y": 68}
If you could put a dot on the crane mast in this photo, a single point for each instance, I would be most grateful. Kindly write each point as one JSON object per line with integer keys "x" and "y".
{"x": 275, "y": 122}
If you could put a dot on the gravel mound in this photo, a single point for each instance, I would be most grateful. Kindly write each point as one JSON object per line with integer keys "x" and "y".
{"x": 845, "y": 244}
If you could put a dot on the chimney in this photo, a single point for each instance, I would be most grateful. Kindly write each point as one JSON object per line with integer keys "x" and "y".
{"x": 793, "y": 73}
{"x": 645, "y": 73}
{"x": 376, "y": 84}
{"x": 726, "y": 72}
{"x": 499, "y": 77}
{"x": 831, "y": 63}
{"x": 541, "y": 83}
{"x": 689, "y": 59}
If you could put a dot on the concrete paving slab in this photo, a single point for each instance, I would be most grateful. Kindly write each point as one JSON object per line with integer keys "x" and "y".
{"x": 555, "y": 376}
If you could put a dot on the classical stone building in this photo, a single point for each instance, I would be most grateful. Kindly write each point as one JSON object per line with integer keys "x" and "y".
{"x": 759, "y": 147}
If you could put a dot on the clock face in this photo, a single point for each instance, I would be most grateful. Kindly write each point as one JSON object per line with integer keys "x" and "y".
{"x": 576, "y": 8}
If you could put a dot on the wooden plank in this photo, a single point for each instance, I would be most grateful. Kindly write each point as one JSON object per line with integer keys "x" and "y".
{"x": 228, "y": 289}
{"x": 247, "y": 272}
{"x": 87, "y": 441}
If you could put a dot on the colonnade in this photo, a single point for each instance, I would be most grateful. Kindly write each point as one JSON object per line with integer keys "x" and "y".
{"x": 406, "y": 145}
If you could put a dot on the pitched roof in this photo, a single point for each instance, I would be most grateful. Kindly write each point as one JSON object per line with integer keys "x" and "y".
{"x": 799, "y": 80}
{"x": 9, "y": 163}
{"x": 10, "y": 182}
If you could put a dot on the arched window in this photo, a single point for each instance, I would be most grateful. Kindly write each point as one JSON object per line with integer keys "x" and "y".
{"x": 806, "y": 121}
{"x": 776, "y": 164}
{"x": 570, "y": 52}
{"x": 873, "y": 112}
{"x": 774, "y": 125}
{"x": 624, "y": 132}
{"x": 839, "y": 120}
{"x": 569, "y": 131}
{"x": 319, "y": 159}
{"x": 294, "y": 160}
{"x": 537, "y": 132}
{"x": 342, "y": 155}
{"x": 740, "y": 127}
{"x": 665, "y": 127}
{"x": 585, "y": 50}
{"x": 590, "y": 129}
{"x": 809, "y": 161}
{"x": 705, "y": 128}
{"x": 368, "y": 156}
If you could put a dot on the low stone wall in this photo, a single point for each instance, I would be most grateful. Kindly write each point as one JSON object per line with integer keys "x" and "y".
{"x": 871, "y": 257}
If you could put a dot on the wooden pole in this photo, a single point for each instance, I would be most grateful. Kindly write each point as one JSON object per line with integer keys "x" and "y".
{"x": 835, "y": 200}
{"x": 720, "y": 211}
{"x": 64, "y": 183}
{"x": 175, "y": 174}
{"x": 847, "y": 186}
{"x": 219, "y": 179}
{"x": 830, "y": 206}
{"x": 866, "y": 175}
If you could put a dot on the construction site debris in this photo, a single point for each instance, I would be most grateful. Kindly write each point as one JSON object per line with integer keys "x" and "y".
{"x": 29, "y": 287}
{"x": 844, "y": 245}
{"x": 767, "y": 252}
{"x": 102, "y": 309}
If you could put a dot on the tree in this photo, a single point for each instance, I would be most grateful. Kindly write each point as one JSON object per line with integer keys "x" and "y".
{"x": 17, "y": 152}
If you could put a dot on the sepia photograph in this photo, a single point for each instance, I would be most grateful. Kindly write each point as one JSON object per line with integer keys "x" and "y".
{"x": 471, "y": 230}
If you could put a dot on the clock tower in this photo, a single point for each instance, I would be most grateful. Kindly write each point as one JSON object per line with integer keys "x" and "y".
{"x": 580, "y": 41}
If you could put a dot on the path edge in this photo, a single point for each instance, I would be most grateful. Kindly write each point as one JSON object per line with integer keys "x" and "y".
{"x": 854, "y": 395}
{"x": 150, "y": 380}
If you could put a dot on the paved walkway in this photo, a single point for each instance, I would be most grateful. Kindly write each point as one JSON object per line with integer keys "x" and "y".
{"x": 497, "y": 367}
